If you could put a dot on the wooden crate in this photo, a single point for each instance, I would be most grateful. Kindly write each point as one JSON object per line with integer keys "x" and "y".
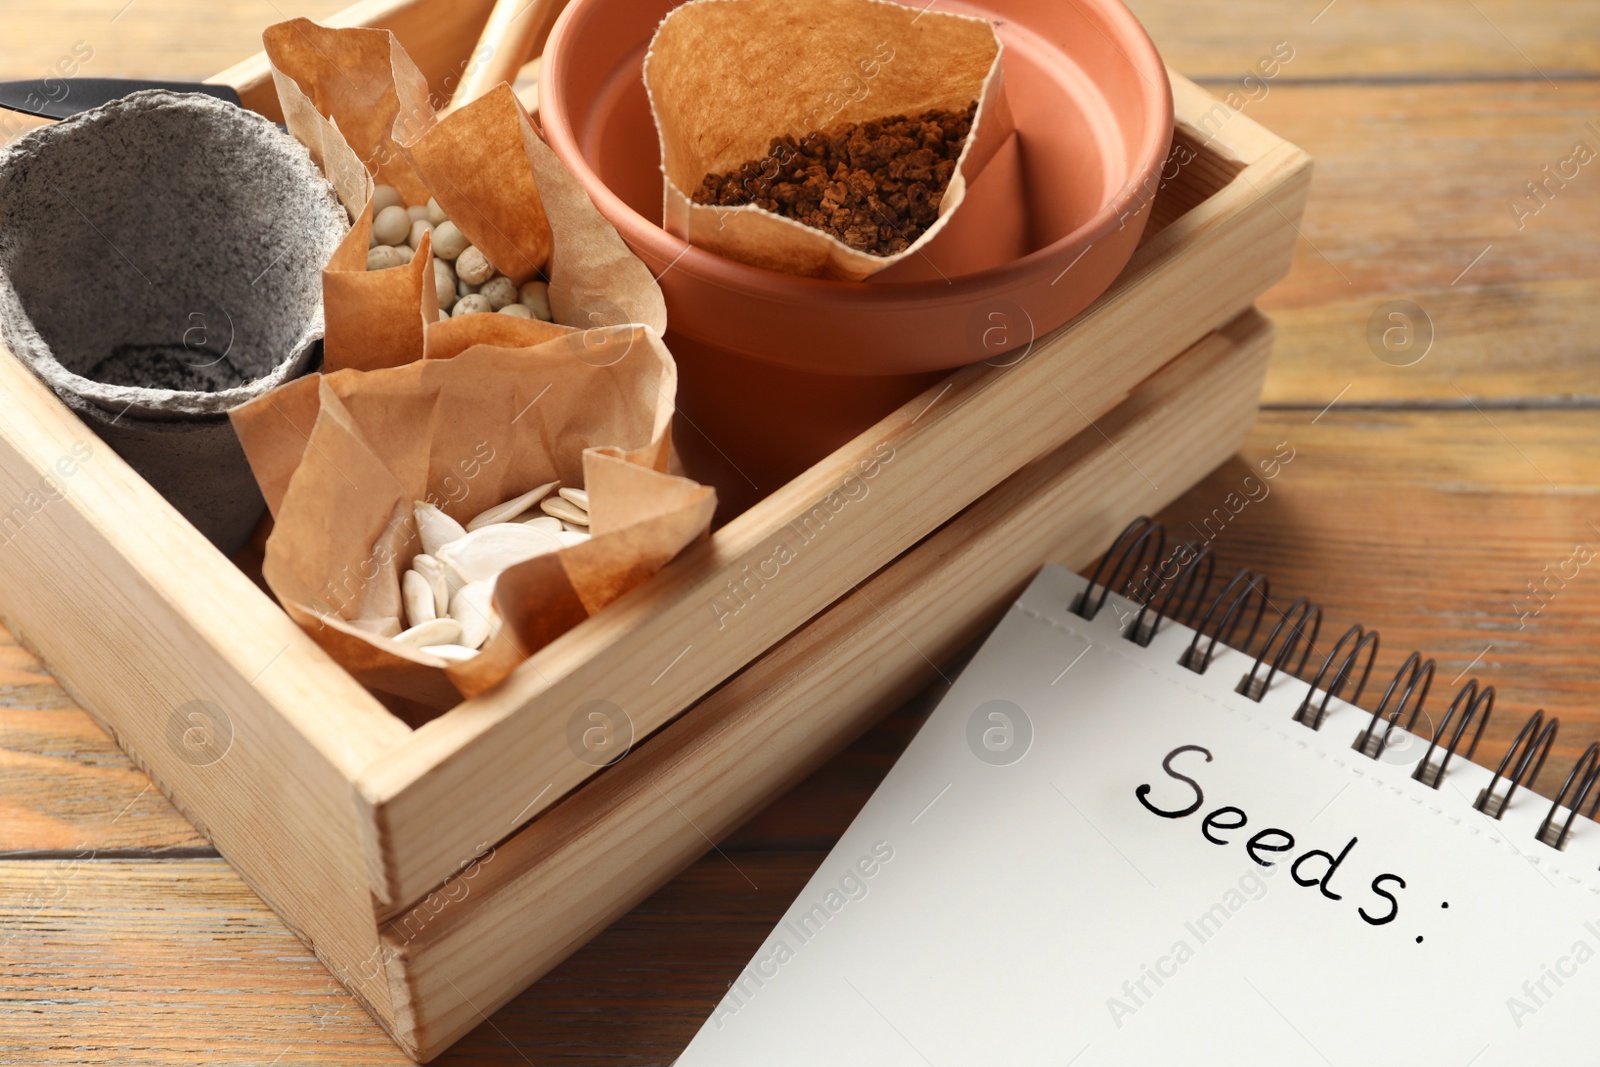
{"x": 439, "y": 870}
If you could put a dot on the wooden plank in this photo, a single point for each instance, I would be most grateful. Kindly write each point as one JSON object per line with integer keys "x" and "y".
{"x": 1199, "y": 271}
{"x": 1217, "y": 41}
{"x": 118, "y": 39}
{"x": 654, "y": 977}
{"x": 65, "y": 787}
{"x": 126, "y": 962}
{"x": 160, "y": 633}
{"x": 1430, "y": 526}
{"x": 1223, "y": 40}
{"x": 1408, "y": 194}
{"x": 162, "y": 964}
{"x": 143, "y": 39}
{"x": 471, "y": 945}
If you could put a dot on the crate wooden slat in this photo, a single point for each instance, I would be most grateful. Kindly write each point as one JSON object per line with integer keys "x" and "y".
{"x": 346, "y": 820}
{"x": 140, "y": 615}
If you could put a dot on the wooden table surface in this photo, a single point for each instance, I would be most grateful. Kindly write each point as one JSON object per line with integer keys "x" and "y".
{"x": 1427, "y": 498}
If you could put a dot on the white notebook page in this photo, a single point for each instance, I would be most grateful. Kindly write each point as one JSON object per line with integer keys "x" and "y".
{"x": 1007, "y": 899}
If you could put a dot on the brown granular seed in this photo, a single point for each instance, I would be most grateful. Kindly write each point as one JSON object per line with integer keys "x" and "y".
{"x": 874, "y": 185}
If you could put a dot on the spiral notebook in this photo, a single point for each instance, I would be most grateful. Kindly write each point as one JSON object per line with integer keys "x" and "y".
{"x": 1103, "y": 852}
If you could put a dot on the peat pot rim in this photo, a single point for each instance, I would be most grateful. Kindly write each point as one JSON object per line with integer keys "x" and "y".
{"x": 167, "y": 405}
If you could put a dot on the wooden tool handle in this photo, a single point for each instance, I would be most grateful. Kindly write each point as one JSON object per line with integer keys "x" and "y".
{"x": 516, "y": 31}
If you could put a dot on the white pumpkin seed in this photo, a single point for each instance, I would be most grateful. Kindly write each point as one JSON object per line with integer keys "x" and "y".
{"x": 473, "y": 608}
{"x": 570, "y": 538}
{"x": 577, "y": 496}
{"x": 388, "y": 626}
{"x": 572, "y": 527}
{"x": 481, "y": 555}
{"x": 436, "y": 528}
{"x": 454, "y": 580}
{"x": 563, "y": 508}
{"x": 542, "y": 521}
{"x": 511, "y": 508}
{"x": 451, "y": 653}
{"x": 418, "y": 594}
{"x": 435, "y": 573}
{"x": 437, "y": 632}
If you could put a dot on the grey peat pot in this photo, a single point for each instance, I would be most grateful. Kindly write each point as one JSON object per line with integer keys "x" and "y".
{"x": 161, "y": 263}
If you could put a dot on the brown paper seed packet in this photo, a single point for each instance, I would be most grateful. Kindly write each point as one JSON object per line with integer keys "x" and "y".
{"x": 739, "y": 86}
{"x": 344, "y": 456}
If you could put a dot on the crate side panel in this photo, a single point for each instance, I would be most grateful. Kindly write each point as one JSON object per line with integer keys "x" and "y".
{"x": 251, "y": 731}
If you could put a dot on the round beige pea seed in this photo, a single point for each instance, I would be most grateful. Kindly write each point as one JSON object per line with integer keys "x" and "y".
{"x": 473, "y": 267}
{"x": 407, "y": 253}
{"x": 535, "y": 296}
{"x": 418, "y": 214}
{"x": 444, "y": 284}
{"x": 385, "y": 196}
{"x": 383, "y": 257}
{"x": 372, "y": 240}
{"x": 463, "y": 289}
{"x": 436, "y": 213}
{"x": 472, "y": 304}
{"x": 443, "y": 314}
{"x": 500, "y": 290}
{"x": 516, "y": 311}
{"x": 392, "y": 226}
{"x": 418, "y": 228}
{"x": 448, "y": 241}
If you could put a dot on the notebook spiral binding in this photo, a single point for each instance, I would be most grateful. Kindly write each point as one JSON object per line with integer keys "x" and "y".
{"x": 1177, "y": 586}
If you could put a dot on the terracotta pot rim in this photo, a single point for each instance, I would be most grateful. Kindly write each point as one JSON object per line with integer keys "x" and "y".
{"x": 650, "y": 239}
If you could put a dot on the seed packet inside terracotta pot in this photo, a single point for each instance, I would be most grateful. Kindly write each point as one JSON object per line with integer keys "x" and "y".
{"x": 826, "y": 138}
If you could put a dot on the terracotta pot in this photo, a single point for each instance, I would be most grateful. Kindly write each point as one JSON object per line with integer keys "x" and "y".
{"x": 776, "y": 370}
